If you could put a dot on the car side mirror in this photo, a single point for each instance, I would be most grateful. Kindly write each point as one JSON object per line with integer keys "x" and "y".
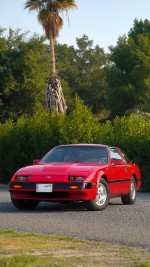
{"x": 112, "y": 163}
{"x": 36, "y": 161}
{"x": 116, "y": 162}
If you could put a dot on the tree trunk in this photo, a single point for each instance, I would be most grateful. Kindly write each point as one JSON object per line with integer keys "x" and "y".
{"x": 52, "y": 54}
{"x": 54, "y": 98}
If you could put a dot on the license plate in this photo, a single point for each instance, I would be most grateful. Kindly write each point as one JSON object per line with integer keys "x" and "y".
{"x": 44, "y": 188}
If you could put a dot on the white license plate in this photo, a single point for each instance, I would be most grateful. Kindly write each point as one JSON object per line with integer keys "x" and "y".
{"x": 44, "y": 187}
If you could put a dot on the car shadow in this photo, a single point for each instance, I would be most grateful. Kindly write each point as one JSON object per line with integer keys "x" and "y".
{"x": 8, "y": 207}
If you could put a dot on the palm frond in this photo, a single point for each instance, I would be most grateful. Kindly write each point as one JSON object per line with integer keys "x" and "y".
{"x": 51, "y": 22}
{"x": 34, "y": 5}
{"x": 49, "y": 13}
{"x": 61, "y": 5}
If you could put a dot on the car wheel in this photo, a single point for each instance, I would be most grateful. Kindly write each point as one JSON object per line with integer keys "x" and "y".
{"x": 131, "y": 197}
{"x": 24, "y": 204}
{"x": 102, "y": 198}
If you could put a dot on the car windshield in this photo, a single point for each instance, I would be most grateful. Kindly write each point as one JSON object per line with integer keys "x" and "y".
{"x": 76, "y": 154}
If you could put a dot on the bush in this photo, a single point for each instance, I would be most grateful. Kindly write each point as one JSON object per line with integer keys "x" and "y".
{"x": 80, "y": 125}
{"x": 132, "y": 135}
{"x": 31, "y": 138}
{"x": 26, "y": 140}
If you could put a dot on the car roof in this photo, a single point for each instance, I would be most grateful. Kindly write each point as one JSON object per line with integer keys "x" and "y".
{"x": 69, "y": 145}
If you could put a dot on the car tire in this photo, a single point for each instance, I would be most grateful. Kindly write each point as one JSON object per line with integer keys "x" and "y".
{"x": 24, "y": 204}
{"x": 102, "y": 198}
{"x": 131, "y": 197}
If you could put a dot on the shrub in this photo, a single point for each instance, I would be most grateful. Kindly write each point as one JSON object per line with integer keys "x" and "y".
{"x": 80, "y": 125}
{"x": 132, "y": 135}
{"x": 31, "y": 138}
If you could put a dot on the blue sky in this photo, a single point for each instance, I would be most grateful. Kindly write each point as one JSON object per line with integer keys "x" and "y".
{"x": 103, "y": 21}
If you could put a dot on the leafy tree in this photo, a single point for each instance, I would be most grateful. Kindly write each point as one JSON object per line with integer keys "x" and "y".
{"x": 49, "y": 17}
{"x": 24, "y": 68}
{"x": 23, "y": 71}
{"x": 129, "y": 74}
{"x": 140, "y": 28}
{"x": 67, "y": 67}
{"x": 83, "y": 70}
{"x": 92, "y": 80}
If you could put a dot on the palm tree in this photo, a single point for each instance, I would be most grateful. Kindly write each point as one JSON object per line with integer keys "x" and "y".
{"x": 49, "y": 17}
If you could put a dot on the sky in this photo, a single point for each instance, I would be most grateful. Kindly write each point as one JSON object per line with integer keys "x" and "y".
{"x": 103, "y": 21}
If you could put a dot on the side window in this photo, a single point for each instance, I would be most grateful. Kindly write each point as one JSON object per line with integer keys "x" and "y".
{"x": 114, "y": 154}
{"x": 126, "y": 158}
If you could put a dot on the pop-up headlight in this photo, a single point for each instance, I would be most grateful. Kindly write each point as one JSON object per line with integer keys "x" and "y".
{"x": 76, "y": 178}
{"x": 22, "y": 178}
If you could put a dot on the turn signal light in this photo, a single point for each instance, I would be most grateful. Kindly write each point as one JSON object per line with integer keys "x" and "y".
{"x": 73, "y": 186}
{"x": 17, "y": 186}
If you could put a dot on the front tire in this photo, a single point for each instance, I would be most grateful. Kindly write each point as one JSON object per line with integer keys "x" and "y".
{"x": 102, "y": 198}
{"x": 131, "y": 197}
{"x": 24, "y": 204}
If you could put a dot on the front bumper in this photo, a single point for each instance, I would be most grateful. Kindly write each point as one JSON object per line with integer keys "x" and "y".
{"x": 61, "y": 191}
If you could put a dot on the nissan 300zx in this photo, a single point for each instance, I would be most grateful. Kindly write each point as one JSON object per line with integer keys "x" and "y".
{"x": 89, "y": 173}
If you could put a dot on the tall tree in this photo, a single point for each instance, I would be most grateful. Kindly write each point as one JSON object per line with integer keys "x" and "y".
{"x": 91, "y": 81}
{"x": 24, "y": 68}
{"x": 129, "y": 75}
{"x": 49, "y": 17}
{"x": 86, "y": 76}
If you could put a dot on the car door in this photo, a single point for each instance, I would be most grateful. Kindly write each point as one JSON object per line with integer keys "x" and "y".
{"x": 120, "y": 173}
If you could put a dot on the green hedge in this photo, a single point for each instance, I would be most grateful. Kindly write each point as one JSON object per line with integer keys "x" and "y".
{"x": 132, "y": 135}
{"x": 31, "y": 138}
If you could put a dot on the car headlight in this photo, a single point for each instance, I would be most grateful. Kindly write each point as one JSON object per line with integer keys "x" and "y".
{"x": 76, "y": 178}
{"x": 22, "y": 178}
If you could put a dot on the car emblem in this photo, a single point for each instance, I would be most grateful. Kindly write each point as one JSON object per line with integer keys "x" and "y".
{"x": 48, "y": 177}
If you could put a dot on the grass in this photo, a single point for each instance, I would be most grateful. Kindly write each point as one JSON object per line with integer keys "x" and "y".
{"x": 35, "y": 250}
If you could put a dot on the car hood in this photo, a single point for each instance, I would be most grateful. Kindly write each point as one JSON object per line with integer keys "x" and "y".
{"x": 59, "y": 168}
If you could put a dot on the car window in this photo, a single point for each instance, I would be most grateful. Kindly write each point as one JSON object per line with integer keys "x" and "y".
{"x": 76, "y": 154}
{"x": 127, "y": 159}
{"x": 52, "y": 156}
{"x": 114, "y": 154}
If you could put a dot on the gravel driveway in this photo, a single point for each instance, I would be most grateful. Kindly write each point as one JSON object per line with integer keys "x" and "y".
{"x": 119, "y": 224}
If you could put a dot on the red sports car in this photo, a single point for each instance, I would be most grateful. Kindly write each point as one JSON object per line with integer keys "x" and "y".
{"x": 89, "y": 173}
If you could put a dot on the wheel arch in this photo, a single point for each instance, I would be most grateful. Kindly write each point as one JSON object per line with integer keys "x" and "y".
{"x": 135, "y": 178}
{"x": 104, "y": 177}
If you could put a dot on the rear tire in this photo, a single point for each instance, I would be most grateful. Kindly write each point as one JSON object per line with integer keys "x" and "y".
{"x": 24, "y": 204}
{"x": 102, "y": 198}
{"x": 131, "y": 197}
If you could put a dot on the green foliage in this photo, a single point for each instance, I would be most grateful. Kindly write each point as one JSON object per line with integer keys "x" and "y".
{"x": 80, "y": 126}
{"x": 91, "y": 84}
{"x": 31, "y": 137}
{"x": 83, "y": 70}
{"x": 119, "y": 81}
{"x": 124, "y": 81}
{"x": 129, "y": 75}
{"x": 140, "y": 28}
{"x": 26, "y": 140}
{"x": 23, "y": 72}
{"x": 24, "y": 69}
{"x": 132, "y": 134}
